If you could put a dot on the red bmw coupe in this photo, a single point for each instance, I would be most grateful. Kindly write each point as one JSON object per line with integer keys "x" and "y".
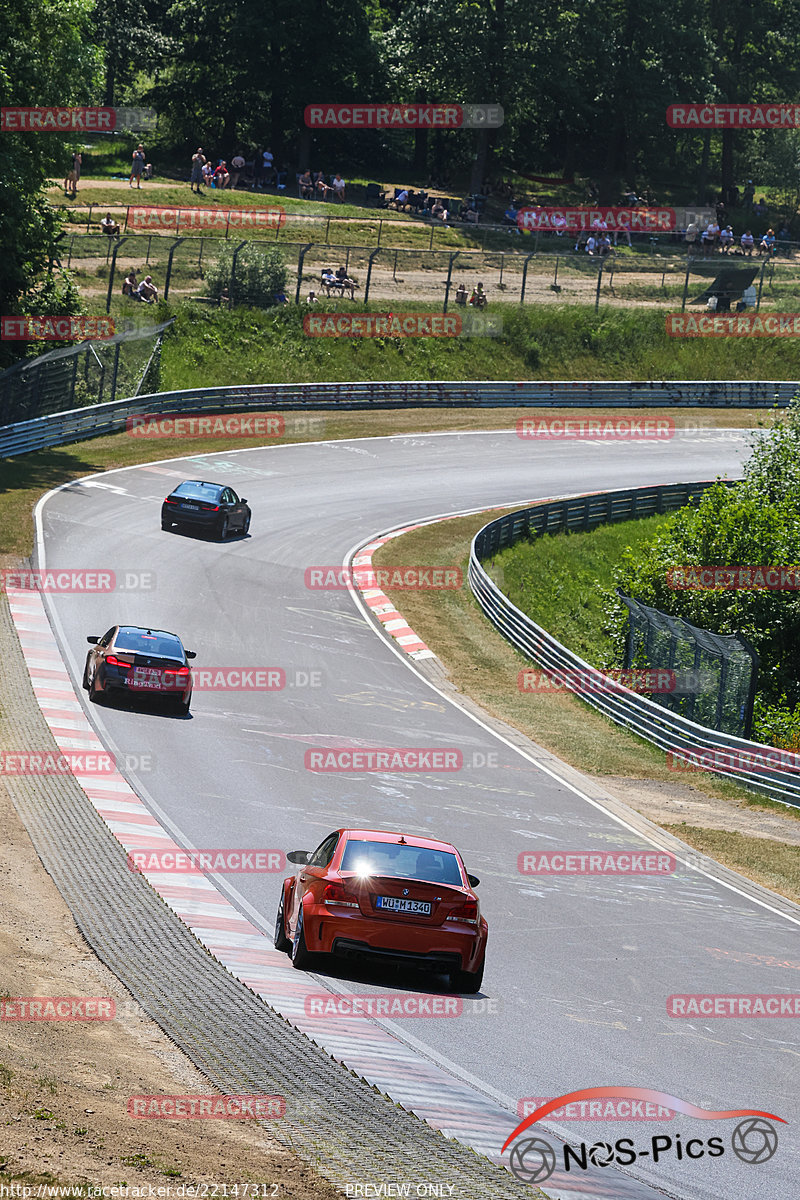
{"x": 365, "y": 893}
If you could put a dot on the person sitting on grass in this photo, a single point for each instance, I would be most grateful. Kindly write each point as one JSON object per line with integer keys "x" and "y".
{"x": 311, "y": 298}
{"x": 461, "y": 294}
{"x": 109, "y": 226}
{"x": 306, "y": 185}
{"x": 147, "y": 290}
{"x": 130, "y": 286}
{"x": 746, "y": 242}
{"x": 338, "y": 188}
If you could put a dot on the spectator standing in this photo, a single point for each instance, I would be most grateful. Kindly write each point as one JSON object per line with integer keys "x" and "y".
{"x": 196, "y": 177}
{"x": 749, "y": 196}
{"x": 72, "y": 176}
{"x": 710, "y": 237}
{"x": 237, "y": 166}
{"x": 690, "y": 237}
{"x": 137, "y": 166}
{"x": 266, "y": 167}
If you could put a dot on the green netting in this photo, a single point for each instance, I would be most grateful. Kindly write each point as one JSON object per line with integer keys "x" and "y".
{"x": 715, "y": 674}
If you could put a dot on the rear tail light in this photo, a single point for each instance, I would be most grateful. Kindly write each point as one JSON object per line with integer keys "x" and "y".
{"x": 113, "y": 661}
{"x": 206, "y": 507}
{"x": 169, "y": 500}
{"x": 468, "y": 912}
{"x": 335, "y": 893}
{"x": 180, "y": 673}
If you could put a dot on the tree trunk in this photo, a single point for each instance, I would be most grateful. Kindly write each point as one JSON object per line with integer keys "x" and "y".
{"x": 727, "y": 161}
{"x": 702, "y": 176}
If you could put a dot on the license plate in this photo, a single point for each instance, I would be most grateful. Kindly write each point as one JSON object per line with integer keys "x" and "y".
{"x": 419, "y": 908}
{"x": 193, "y": 507}
{"x": 146, "y": 677}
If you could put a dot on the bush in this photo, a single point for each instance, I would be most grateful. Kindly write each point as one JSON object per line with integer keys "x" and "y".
{"x": 260, "y": 276}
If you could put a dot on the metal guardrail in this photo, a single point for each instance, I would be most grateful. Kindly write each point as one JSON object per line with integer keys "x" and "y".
{"x": 747, "y": 763}
{"x": 74, "y": 425}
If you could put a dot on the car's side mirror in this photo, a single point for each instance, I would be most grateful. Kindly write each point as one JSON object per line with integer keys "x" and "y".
{"x": 299, "y": 857}
{"x": 473, "y": 880}
{"x": 243, "y": 500}
{"x": 191, "y": 654}
{"x": 93, "y": 640}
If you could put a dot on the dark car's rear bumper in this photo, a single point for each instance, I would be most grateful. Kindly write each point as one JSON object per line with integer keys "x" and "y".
{"x": 439, "y": 961}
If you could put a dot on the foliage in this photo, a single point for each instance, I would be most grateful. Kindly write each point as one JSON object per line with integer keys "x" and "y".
{"x": 47, "y": 60}
{"x": 755, "y": 522}
{"x": 260, "y": 276}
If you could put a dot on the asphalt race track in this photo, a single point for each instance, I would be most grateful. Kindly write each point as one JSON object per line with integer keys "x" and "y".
{"x": 580, "y": 967}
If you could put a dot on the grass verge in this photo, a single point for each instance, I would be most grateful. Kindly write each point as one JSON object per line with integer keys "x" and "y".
{"x": 485, "y": 667}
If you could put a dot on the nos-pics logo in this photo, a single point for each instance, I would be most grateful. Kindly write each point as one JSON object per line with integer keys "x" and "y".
{"x": 753, "y": 1140}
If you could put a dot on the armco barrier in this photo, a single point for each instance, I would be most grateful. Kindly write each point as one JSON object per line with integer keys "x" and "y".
{"x": 74, "y": 425}
{"x": 642, "y": 716}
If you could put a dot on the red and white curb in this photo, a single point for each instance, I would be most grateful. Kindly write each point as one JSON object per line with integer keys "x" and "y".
{"x": 382, "y": 607}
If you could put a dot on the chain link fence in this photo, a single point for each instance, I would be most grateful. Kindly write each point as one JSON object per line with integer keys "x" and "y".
{"x": 724, "y": 667}
{"x": 396, "y": 274}
{"x": 83, "y": 375}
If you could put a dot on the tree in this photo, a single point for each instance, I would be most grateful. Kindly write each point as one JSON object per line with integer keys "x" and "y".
{"x": 47, "y": 60}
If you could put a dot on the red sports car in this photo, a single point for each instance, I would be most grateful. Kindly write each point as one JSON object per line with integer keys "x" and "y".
{"x": 365, "y": 893}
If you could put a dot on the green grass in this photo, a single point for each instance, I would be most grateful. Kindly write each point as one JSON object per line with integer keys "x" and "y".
{"x": 212, "y": 347}
{"x": 557, "y": 580}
